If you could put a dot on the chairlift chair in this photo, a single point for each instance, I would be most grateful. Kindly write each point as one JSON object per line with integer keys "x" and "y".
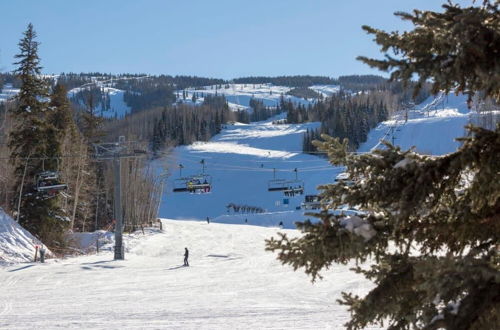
{"x": 294, "y": 187}
{"x": 201, "y": 183}
{"x": 180, "y": 185}
{"x": 277, "y": 185}
{"x": 48, "y": 183}
{"x": 311, "y": 202}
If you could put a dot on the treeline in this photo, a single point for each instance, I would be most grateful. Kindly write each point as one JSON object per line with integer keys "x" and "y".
{"x": 183, "y": 124}
{"x": 173, "y": 125}
{"x": 343, "y": 115}
{"x": 141, "y": 92}
{"x": 291, "y": 81}
{"x": 349, "y": 116}
{"x": 9, "y": 78}
{"x": 305, "y": 93}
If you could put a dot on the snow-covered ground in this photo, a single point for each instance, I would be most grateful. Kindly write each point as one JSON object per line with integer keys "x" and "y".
{"x": 16, "y": 243}
{"x": 232, "y": 283}
{"x": 241, "y": 162}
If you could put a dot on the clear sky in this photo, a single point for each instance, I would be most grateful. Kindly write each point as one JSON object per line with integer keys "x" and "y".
{"x": 212, "y": 38}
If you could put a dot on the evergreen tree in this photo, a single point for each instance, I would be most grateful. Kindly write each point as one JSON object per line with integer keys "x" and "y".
{"x": 35, "y": 146}
{"x": 459, "y": 48}
{"x": 433, "y": 223}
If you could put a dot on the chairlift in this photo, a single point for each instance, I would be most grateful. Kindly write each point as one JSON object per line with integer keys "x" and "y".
{"x": 199, "y": 183}
{"x": 47, "y": 183}
{"x": 276, "y": 184}
{"x": 311, "y": 202}
{"x": 294, "y": 187}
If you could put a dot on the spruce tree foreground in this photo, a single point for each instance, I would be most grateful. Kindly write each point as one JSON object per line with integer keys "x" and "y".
{"x": 430, "y": 241}
{"x": 35, "y": 143}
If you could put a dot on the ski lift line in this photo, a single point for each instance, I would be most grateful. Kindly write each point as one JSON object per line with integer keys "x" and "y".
{"x": 223, "y": 167}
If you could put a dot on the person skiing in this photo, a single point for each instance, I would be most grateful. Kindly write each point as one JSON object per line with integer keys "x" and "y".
{"x": 186, "y": 256}
{"x": 208, "y": 220}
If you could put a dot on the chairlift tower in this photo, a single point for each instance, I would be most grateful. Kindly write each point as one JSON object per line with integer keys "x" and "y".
{"x": 115, "y": 151}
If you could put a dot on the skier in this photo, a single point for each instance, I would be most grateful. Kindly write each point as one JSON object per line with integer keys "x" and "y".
{"x": 186, "y": 256}
{"x": 208, "y": 220}
{"x": 281, "y": 224}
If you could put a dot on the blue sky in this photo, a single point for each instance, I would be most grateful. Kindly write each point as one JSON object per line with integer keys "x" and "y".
{"x": 213, "y": 38}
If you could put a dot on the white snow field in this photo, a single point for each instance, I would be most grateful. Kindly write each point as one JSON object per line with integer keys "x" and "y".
{"x": 232, "y": 283}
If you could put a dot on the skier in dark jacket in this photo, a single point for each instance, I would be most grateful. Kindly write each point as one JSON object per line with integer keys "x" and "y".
{"x": 186, "y": 256}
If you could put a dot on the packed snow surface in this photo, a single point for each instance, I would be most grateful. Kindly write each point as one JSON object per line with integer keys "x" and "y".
{"x": 232, "y": 283}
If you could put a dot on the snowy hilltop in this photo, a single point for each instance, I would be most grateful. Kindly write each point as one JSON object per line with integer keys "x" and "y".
{"x": 238, "y": 96}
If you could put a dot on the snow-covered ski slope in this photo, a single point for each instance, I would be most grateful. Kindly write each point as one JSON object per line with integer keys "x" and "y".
{"x": 431, "y": 128}
{"x": 241, "y": 161}
{"x": 232, "y": 283}
{"x": 242, "y": 157}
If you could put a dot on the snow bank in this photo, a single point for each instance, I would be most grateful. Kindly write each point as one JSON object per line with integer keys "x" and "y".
{"x": 16, "y": 243}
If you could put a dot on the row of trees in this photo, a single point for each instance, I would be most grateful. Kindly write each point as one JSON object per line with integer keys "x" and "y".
{"x": 184, "y": 124}
{"x": 305, "y": 93}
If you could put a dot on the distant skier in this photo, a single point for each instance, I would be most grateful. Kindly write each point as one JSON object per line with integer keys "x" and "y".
{"x": 281, "y": 224}
{"x": 186, "y": 256}
{"x": 208, "y": 220}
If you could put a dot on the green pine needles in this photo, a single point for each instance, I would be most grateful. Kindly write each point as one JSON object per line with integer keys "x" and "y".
{"x": 459, "y": 49}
